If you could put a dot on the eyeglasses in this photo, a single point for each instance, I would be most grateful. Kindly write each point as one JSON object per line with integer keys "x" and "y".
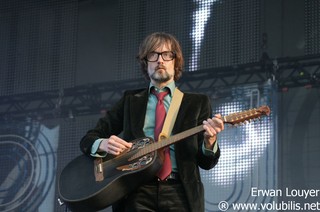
{"x": 166, "y": 56}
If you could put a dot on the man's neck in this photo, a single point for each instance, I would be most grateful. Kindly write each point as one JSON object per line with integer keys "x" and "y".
{"x": 161, "y": 85}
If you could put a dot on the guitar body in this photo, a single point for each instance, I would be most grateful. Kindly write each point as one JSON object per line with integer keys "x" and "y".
{"x": 81, "y": 191}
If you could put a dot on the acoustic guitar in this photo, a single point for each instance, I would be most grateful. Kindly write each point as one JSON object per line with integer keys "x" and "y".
{"x": 91, "y": 184}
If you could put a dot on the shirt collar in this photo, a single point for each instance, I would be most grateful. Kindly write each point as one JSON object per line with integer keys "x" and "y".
{"x": 171, "y": 86}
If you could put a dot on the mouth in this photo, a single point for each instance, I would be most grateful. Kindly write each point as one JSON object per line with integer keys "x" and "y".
{"x": 160, "y": 67}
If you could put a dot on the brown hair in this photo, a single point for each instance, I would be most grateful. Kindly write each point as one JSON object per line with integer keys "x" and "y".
{"x": 154, "y": 41}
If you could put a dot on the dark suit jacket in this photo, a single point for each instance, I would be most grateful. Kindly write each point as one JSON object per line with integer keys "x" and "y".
{"x": 128, "y": 115}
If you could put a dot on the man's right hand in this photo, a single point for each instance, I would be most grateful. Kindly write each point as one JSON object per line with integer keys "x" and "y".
{"x": 114, "y": 145}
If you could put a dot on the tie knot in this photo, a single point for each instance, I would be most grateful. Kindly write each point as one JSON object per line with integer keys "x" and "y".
{"x": 160, "y": 95}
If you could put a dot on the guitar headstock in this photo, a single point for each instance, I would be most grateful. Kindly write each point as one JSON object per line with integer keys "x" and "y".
{"x": 247, "y": 115}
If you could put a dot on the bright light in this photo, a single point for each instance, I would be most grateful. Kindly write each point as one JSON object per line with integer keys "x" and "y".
{"x": 199, "y": 21}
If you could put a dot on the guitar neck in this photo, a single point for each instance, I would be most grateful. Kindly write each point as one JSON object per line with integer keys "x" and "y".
{"x": 233, "y": 119}
{"x": 177, "y": 137}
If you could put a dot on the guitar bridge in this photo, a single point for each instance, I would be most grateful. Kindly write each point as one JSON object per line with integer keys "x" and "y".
{"x": 98, "y": 169}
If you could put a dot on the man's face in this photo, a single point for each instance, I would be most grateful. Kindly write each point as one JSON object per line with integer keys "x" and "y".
{"x": 161, "y": 72}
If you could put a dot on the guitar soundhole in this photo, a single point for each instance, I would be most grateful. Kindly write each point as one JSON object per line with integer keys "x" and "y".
{"x": 141, "y": 143}
{"x": 142, "y": 161}
{"x": 145, "y": 160}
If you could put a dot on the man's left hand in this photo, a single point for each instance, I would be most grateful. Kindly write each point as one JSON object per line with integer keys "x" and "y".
{"x": 212, "y": 127}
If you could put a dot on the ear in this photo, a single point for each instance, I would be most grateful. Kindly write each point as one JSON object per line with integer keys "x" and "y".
{"x": 145, "y": 63}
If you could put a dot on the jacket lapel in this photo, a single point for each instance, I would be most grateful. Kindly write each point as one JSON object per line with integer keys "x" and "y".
{"x": 138, "y": 107}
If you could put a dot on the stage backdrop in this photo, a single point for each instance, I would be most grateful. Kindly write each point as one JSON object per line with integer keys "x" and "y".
{"x": 249, "y": 158}
{"x": 30, "y": 151}
{"x": 48, "y": 45}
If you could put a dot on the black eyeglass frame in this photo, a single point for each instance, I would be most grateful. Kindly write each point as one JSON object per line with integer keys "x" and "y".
{"x": 160, "y": 53}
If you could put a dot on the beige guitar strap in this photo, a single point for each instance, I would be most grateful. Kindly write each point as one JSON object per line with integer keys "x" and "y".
{"x": 171, "y": 114}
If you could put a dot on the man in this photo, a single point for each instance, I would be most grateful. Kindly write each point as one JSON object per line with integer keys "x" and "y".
{"x": 161, "y": 62}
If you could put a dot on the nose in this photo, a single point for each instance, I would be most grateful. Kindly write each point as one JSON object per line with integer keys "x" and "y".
{"x": 160, "y": 59}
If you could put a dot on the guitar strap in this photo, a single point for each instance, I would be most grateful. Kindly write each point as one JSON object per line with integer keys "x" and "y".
{"x": 171, "y": 114}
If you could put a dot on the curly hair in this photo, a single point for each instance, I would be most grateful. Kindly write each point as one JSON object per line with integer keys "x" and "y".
{"x": 154, "y": 41}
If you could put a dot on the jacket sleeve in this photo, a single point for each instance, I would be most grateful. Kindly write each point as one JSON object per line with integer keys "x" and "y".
{"x": 195, "y": 108}
{"x": 110, "y": 124}
{"x": 206, "y": 161}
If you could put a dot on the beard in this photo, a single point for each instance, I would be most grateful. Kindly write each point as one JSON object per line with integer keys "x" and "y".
{"x": 160, "y": 76}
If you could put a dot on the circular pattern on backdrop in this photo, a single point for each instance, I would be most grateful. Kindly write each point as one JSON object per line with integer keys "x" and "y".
{"x": 25, "y": 179}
